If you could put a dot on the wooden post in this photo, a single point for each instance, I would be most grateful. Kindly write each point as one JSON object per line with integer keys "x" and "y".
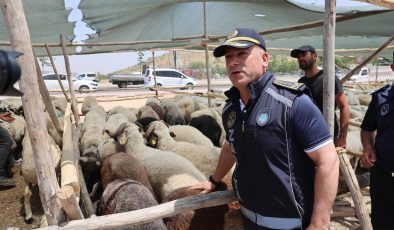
{"x": 74, "y": 104}
{"x": 352, "y": 183}
{"x": 47, "y": 99}
{"x": 154, "y": 72}
{"x": 15, "y": 19}
{"x": 206, "y": 53}
{"x": 147, "y": 215}
{"x": 56, "y": 73}
{"x": 329, "y": 64}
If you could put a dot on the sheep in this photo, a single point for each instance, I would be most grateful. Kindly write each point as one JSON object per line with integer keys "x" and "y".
{"x": 204, "y": 218}
{"x": 209, "y": 127}
{"x": 131, "y": 116}
{"x": 123, "y": 166}
{"x": 60, "y": 104}
{"x": 99, "y": 109}
{"x": 187, "y": 106}
{"x": 212, "y": 112}
{"x": 166, "y": 170}
{"x": 186, "y": 133}
{"x": 172, "y": 114}
{"x": 128, "y": 195}
{"x": 92, "y": 134}
{"x": 205, "y": 158}
{"x": 28, "y": 168}
{"x": 144, "y": 122}
{"x": 58, "y": 137}
{"x": 87, "y": 103}
{"x": 107, "y": 148}
{"x": 147, "y": 111}
{"x": 154, "y": 104}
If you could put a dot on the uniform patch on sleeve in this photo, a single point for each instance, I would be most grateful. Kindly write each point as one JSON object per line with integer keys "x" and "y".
{"x": 295, "y": 86}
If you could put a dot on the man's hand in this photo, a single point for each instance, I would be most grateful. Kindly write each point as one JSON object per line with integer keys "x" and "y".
{"x": 368, "y": 159}
{"x": 7, "y": 116}
{"x": 340, "y": 142}
{"x": 205, "y": 187}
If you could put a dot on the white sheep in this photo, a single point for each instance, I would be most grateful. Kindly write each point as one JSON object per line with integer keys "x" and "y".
{"x": 129, "y": 113}
{"x": 205, "y": 158}
{"x": 186, "y": 133}
{"x": 166, "y": 170}
{"x": 87, "y": 103}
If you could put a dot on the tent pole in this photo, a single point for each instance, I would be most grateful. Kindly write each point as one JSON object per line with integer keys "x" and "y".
{"x": 154, "y": 73}
{"x": 56, "y": 73}
{"x": 74, "y": 104}
{"x": 206, "y": 52}
{"x": 15, "y": 21}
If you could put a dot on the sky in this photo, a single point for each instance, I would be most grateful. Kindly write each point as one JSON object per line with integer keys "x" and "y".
{"x": 110, "y": 62}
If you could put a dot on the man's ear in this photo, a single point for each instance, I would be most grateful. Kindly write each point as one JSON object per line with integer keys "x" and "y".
{"x": 265, "y": 57}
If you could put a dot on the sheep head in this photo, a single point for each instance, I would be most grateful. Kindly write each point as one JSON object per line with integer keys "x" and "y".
{"x": 156, "y": 131}
{"x": 115, "y": 125}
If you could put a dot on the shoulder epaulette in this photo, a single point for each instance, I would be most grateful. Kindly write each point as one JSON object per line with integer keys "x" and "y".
{"x": 295, "y": 86}
{"x": 381, "y": 89}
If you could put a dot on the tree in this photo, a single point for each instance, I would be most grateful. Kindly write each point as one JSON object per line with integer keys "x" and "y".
{"x": 44, "y": 61}
{"x": 140, "y": 59}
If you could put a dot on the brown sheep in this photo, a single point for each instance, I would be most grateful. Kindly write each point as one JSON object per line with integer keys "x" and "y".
{"x": 123, "y": 166}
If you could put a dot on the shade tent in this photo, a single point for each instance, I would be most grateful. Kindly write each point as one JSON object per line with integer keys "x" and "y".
{"x": 174, "y": 20}
{"x": 167, "y": 24}
{"x": 46, "y": 19}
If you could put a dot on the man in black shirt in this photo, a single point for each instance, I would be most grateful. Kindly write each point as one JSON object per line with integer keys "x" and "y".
{"x": 313, "y": 79}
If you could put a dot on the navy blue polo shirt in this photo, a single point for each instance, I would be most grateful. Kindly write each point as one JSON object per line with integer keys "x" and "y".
{"x": 380, "y": 117}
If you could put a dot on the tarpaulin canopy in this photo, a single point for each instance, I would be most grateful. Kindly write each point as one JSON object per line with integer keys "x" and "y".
{"x": 124, "y": 25}
{"x": 46, "y": 19}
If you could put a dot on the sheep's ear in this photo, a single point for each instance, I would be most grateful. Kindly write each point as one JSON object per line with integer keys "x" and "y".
{"x": 172, "y": 134}
{"x": 118, "y": 131}
{"x": 166, "y": 124}
{"x": 152, "y": 140}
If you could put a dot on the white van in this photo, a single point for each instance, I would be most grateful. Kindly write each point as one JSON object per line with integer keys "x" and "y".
{"x": 168, "y": 77}
{"x": 89, "y": 76}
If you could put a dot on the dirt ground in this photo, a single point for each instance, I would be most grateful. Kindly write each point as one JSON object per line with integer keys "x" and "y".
{"x": 11, "y": 200}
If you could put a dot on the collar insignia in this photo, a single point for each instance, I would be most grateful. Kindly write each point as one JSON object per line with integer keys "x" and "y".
{"x": 385, "y": 108}
{"x": 232, "y": 34}
{"x": 231, "y": 119}
{"x": 263, "y": 118}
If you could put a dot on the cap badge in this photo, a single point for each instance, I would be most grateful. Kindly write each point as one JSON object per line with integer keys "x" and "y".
{"x": 263, "y": 118}
{"x": 231, "y": 119}
{"x": 232, "y": 34}
{"x": 385, "y": 108}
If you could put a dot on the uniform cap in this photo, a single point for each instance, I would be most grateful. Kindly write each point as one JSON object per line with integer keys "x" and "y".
{"x": 294, "y": 53}
{"x": 241, "y": 38}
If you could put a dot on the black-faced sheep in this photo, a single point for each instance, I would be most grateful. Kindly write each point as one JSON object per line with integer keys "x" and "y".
{"x": 208, "y": 126}
{"x": 154, "y": 104}
{"x": 167, "y": 171}
{"x": 147, "y": 111}
{"x": 205, "y": 158}
{"x": 213, "y": 113}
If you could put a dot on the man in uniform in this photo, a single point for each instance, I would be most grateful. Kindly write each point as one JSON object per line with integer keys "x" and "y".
{"x": 379, "y": 155}
{"x": 313, "y": 79}
{"x": 5, "y": 151}
{"x": 286, "y": 172}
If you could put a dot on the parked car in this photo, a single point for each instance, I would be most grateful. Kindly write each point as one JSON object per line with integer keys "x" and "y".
{"x": 81, "y": 86}
{"x": 168, "y": 77}
{"x": 89, "y": 76}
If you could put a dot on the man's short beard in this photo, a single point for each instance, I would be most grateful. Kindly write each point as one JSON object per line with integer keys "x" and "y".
{"x": 307, "y": 65}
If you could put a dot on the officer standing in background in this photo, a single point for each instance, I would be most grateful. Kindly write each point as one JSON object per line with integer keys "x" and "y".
{"x": 379, "y": 155}
{"x": 286, "y": 173}
{"x": 313, "y": 79}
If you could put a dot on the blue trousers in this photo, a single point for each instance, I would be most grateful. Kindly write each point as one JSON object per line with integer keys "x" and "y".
{"x": 382, "y": 199}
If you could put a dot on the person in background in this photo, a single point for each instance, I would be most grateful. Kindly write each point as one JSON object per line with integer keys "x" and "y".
{"x": 377, "y": 135}
{"x": 5, "y": 151}
{"x": 313, "y": 79}
{"x": 286, "y": 167}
